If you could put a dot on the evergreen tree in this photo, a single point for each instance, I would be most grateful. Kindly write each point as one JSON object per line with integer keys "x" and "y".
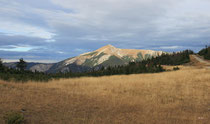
{"x": 21, "y": 65}
{"x": 1, "y": 62}
{"x": 205, "y": 53}
{"x": 1, "y": 65}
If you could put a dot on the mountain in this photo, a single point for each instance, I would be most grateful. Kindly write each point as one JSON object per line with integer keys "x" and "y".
{"x": 104, "y": 56}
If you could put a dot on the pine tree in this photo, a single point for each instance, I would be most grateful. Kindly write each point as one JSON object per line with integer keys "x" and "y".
{"x": 1, "y": 65}
{"x": 1, "y": 62}
{"x": 207, "y": 55}
{"x": 21, "y": 65}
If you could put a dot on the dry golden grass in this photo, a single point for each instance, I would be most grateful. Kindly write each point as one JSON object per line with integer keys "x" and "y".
{"x": 175, "y": 97}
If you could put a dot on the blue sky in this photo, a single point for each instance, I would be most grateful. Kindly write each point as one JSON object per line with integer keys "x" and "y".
{"x": 53, "y": 30}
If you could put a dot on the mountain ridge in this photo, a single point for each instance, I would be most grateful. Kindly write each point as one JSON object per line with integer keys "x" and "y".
{"x": 105, "y": 56}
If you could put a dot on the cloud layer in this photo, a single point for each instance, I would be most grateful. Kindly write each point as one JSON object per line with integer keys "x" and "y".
{"x": 59, "y": 29}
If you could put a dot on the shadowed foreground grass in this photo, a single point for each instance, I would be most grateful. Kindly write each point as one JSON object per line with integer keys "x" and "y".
{"x": 176, "y": 97}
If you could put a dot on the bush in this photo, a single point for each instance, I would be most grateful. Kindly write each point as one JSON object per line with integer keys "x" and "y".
{"x": 14, "y": 118}
{"x": 176, "y": 68}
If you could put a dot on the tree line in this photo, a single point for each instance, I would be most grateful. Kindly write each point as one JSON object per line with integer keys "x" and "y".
{"x": 205, "y": 52}
{"x": 20, "y": 74}
{"x": 152, "y": 65}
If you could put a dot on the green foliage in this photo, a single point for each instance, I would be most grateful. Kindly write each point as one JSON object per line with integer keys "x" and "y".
{"x": 1, "y": 65}
{"x": 147, "y": 56}
{"x": 14, "y": 118}
{"x": 140, "y": 57}
{"x": 89, "y": 62}
{"x": 127, "y": 59}
{"x": 19, "y": 75}
{"x": 112, "y": 60}
{"x": 21, "y": 65}
{"x": 173, "y": 59}
{"x": 205, "y": 53}
{"x": 92, "y": 61}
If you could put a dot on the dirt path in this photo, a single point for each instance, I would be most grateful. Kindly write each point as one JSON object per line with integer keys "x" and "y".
{"x": 200, "y": 61}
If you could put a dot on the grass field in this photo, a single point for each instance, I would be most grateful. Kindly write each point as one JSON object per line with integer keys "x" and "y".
{"x": 176, "y": 97}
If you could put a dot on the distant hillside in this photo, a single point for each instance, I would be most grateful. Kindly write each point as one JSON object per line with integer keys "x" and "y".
{"x": 104, "y": 56}
{"x": 40, "y": 67}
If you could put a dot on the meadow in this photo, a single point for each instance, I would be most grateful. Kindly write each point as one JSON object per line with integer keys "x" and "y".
{"x": 175, "y": 97}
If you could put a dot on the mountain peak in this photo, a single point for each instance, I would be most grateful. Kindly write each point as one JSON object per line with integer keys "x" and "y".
{"x": 108, "y": 46}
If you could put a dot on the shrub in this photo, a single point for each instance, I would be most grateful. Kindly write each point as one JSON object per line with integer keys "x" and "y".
{"x": 14, "y": 118}
{"x": 176, "y": 68}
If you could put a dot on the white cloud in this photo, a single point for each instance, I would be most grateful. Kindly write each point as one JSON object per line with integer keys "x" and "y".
{"x": 170, "y": 47}
{"x": 20, "y": 48}
{"x": 60, "y": 52}
{"x": 79, "y": 50}
{"x": 15, "y": 18}
{"x": 94, "y": 38}
{"x": 13, "y": 28}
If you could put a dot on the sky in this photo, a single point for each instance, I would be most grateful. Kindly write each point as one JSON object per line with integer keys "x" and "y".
{"x": 54, "y": 30}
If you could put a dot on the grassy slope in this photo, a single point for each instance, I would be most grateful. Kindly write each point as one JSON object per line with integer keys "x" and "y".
{"x": 112, "y": 61}
{"x": 93, "y": 60}
{"x": 177, "y": 97}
